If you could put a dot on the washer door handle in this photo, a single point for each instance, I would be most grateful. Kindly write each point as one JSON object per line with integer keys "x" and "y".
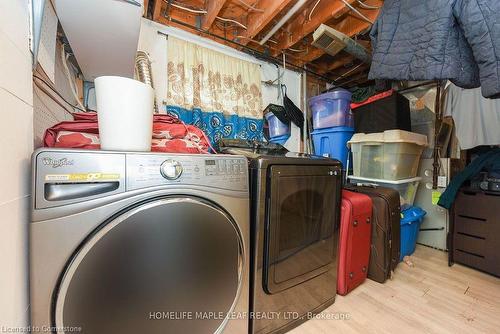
{"x": 67, "y": 191}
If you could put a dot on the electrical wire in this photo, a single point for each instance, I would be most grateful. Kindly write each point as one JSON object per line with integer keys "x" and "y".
{"x": 250, "y": 6}
{"x": 194, "y": 11}
{"x": 202, "y": 11}
{"x": 56, "y": 92}
{"x": 361, "y": 15}
{"x": 56, "y": 101}
{"x": 365, "y": 6}
{"x": 133, "y": 2}
{"x": 350, "y": 71}
{"x": 297, "y": 50}
{"x": 278, "y": 78}
{"x": 253, "y": 40}
{"x": 72, "y": 85}
{"x": 312, "y": 10}
{"x": 45, "y": 109}
{"x": 223, "y": 26}
{"x": 248, "y": 38}
{"x": 232, "y": 21}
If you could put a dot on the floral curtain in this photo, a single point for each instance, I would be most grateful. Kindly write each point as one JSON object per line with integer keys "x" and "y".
{"x": 218, "y": 93}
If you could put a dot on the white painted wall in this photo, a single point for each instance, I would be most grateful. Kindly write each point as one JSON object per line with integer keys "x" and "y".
{"x": 156, "y": 45}
{"x": 46, "y": 112}
{"x": 16, "y": 145}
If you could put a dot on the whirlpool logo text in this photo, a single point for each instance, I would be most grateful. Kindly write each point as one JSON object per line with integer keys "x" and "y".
{"x": 56, "y": 163}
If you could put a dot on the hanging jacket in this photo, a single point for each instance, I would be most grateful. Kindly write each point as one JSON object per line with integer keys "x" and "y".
{"x": 457, "y": 40}
{"x": 489, "y": 161}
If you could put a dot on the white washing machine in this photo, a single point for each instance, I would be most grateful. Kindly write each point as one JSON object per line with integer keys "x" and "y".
{"x": 139, "y": 243}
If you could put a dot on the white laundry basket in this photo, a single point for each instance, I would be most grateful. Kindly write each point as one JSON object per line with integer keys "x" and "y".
{"x": 125, "y": 113}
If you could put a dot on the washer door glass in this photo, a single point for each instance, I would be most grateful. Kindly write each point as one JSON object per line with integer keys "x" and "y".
{"x": 172, "y": 265}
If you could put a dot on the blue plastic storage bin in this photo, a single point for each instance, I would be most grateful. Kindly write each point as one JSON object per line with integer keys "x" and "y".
{"x": 410, "y": 226}
{"x": 332, "y": 109}
{"x": 276, "y": 127}
{"x": 332, "y": 142}
{"x": 280, "y": 139}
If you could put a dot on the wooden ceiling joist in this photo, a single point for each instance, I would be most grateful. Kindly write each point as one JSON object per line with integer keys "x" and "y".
{"x": 157, "y": 10}
{"x": 145, "y": 8}
{"x": 346, "y": 73}
{"x": 352, "y": 25}
{"x": 259, "y": 21}
{"x": 337, "y": 63}
{"x": 298, "y": 29}
{"x": 213, "y": 9}
{"x": 293, "y": 38}
{"x": 313, "y": 54}
{"x": 356, "y": 79}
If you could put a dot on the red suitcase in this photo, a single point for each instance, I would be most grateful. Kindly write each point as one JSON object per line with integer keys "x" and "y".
{"x": 355, "y": 241}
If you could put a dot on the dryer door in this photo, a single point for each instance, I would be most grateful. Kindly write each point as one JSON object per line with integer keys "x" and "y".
{"x": 159, "y": 267}
{"x": 302, "y": 224}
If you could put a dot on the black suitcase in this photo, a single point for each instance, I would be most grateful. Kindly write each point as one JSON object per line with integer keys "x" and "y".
{"x": 386, "y": 229}
{"x": 383, "y": 113}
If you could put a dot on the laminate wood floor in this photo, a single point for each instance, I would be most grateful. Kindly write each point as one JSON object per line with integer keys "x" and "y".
{"x": 427, "y": 298}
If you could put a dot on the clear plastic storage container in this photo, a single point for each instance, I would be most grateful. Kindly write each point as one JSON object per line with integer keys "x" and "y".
{"x": 389, "y": 155}
{"x": 407, "y": 188}
{"x": 332, "y": 109}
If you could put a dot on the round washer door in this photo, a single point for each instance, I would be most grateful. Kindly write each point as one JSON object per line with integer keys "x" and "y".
{"x": 172, "y": 265}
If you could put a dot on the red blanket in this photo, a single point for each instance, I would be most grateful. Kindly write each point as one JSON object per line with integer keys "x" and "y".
{"x": 169, "y": 134}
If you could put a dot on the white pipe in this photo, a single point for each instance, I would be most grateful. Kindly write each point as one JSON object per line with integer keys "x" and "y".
{"x": 283, "y": 20}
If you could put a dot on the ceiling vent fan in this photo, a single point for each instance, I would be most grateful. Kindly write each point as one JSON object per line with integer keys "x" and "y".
{"x": 333, "y": 41}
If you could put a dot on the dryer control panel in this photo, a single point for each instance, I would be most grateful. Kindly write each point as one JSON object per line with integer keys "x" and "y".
{"x": 223, "y": 172}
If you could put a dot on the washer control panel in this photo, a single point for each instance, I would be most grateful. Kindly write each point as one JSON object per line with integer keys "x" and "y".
{"x": 218, "y": 171}
{"x": 229, "y": 167}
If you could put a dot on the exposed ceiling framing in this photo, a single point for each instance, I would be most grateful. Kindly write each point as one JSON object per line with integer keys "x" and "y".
{"x": 242, "y": 24}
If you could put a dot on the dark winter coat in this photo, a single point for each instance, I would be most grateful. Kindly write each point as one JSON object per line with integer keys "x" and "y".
{"x": 439, "y": 39}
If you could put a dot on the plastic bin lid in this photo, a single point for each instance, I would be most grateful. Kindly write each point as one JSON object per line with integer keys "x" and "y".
{"x": 333, "y": 95}
{"x": 377, "y": 181}
{"x": 390, "y": 136}
{"x": 373, "y": 98}
{"x": 333, "y": 129}
{"x": 412, "y": 214}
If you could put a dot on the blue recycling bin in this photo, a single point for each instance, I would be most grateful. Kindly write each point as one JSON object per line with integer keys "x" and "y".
{"x": 410, "y": 226}
{"x": 332, "y": 142}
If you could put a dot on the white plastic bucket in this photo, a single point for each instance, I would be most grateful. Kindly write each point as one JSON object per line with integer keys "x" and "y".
{"x": 125, "y": 113}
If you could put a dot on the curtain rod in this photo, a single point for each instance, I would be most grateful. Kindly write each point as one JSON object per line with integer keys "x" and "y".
{"x": 167, "y": 35}
{"x": 250, "y": 50}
